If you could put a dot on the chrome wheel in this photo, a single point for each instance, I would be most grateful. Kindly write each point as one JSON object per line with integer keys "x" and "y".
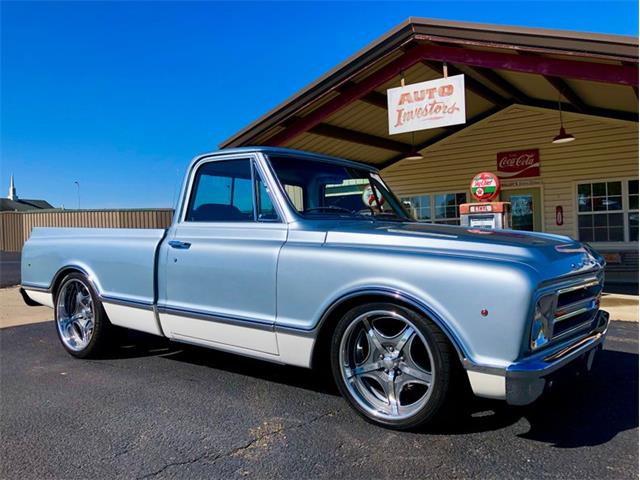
{"x": 75, "y": 316}
{"x": 386, "y": 364}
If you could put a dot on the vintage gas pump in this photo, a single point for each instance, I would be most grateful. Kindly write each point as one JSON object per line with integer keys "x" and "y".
{"x": 485, "y": 213}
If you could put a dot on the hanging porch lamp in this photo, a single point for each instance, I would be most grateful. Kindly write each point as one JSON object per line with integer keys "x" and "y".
{"x": 413, "y": 154}
{"x": 563, "y": 136}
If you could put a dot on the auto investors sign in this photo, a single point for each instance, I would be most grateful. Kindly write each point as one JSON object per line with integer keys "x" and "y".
{"x": 425, "y": 105}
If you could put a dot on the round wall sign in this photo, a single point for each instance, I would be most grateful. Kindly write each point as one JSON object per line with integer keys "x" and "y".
{"x": 485, "y": 186}
{"x": 369, "y": 199}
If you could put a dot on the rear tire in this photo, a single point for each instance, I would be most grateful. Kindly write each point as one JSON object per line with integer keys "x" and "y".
{"x": 394, "y": 366}
{"x": 81, "y": 322}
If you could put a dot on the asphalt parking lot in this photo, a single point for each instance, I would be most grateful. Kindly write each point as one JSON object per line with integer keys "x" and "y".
{"x": 154, "y": 409}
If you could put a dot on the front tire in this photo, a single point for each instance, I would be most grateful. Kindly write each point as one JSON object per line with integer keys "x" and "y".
{"x": 392, "y": 365}
{"x": 81, "y": 322}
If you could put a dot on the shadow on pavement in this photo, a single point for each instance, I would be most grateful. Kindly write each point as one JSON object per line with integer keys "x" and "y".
{"x": 576, "y": 412}
{"x": 589, "y": 411}
{"x": 133, "y": 344}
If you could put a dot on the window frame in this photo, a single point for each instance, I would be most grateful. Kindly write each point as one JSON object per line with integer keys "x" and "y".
{"x": 257, "y": 172}
{"x": 258, "y": 176}
{"x": 624, "y": 211}
{"x": 446, "y": 220}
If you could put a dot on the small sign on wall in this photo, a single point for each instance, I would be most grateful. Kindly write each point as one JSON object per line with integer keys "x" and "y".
{"x": 559, "y": 215}
{"x": 519, "y": 164}
{"x": 425, "y": 105}
{"x": 485, "y": 186}
{"x": 612, "y": 258}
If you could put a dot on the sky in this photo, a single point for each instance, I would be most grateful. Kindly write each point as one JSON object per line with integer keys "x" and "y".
{"x": 120, "y": 96}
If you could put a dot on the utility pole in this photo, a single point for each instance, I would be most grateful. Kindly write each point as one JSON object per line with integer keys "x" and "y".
{"x": 78, "y": 185}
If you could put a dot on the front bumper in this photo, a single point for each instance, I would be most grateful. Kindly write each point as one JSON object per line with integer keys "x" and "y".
{"x": 523, "y": 382}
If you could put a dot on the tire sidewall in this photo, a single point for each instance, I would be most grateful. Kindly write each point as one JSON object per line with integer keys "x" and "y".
{"x": 440, "y": 366}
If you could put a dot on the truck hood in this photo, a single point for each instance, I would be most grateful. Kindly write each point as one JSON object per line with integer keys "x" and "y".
{"x": 550, "y": 255}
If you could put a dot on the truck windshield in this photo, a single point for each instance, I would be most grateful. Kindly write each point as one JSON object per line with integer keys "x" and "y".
{"x": 318, "y": 189}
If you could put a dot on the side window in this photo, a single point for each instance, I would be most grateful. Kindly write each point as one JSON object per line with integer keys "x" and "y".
{"x": 222, "y": 192}
{"x": 266, "y": 210}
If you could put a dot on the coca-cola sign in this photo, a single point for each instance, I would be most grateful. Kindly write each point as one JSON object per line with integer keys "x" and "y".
{"x": 519, "y": 164}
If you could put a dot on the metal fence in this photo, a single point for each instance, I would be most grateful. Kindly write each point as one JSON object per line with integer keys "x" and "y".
{"x": 15, "y": 227}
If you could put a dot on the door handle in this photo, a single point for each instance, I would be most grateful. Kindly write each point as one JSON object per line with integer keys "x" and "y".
{"x": 178, "y": 244}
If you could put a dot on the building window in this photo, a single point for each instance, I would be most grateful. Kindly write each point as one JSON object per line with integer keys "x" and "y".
{"x": 608, "y": 211}
{"x": 447, "y": 207}
{"x": 632, "y": 214}
{"x": 419, "y": 206}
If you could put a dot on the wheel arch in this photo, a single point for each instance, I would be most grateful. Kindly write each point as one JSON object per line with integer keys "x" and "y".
{"x": 66, "y": 270}
{"x": 341, "y": 306}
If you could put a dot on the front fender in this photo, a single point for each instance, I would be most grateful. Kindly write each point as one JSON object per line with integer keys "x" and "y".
{"x": 452, "y": 290}
{"x": 397, "y": 295}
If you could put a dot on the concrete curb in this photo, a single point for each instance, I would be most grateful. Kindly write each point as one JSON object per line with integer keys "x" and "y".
{"x": 621, "y": 307}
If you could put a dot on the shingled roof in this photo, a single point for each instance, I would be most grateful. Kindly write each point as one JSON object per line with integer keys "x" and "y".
{"x": 23, "y": 205}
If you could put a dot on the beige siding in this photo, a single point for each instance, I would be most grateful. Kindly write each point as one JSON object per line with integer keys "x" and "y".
{"x": 15, "y": 227}
{"x": 603, "y": 149}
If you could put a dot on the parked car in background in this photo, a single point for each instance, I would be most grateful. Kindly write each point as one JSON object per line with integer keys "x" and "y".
{"x": 308, "y": 260}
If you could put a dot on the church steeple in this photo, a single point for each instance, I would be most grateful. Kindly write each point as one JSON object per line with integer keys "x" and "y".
{"x": 12, "y": 191}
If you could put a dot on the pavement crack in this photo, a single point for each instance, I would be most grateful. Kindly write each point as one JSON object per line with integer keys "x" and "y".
{"x": 241, "y": 448}
{"x": 173, "y": 464}
{"x": 265, "y": 436}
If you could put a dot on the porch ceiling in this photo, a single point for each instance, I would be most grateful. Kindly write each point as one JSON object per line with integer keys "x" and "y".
{"x": 344, "y": 113}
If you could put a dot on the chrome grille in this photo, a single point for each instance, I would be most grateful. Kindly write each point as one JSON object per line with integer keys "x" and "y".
{"x": 576, "y": 307}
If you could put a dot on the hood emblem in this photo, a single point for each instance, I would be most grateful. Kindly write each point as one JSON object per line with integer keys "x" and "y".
{"x": 587, "y": 261}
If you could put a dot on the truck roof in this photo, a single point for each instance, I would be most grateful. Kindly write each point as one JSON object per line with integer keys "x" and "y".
{"x": 301, "y": 154}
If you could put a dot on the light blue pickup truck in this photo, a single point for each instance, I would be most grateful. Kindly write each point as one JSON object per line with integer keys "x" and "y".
{"x": 308, "y": 260}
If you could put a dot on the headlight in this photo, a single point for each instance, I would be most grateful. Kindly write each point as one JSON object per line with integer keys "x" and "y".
{"x": 542, "y": 326}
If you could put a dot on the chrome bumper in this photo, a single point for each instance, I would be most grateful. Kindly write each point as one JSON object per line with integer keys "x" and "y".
{"x": 526, "y": 380}
{"x": 523, "y": 382}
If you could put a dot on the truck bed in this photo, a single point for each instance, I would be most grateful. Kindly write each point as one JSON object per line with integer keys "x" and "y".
{"x": 120, "y": 262}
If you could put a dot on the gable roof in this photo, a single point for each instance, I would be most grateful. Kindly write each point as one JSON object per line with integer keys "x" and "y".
{"x": 23, "y": 205}
{"x": 343, "y": 113}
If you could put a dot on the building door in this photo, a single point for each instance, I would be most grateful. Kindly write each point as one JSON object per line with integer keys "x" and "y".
{"x": 526, "y": 211}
